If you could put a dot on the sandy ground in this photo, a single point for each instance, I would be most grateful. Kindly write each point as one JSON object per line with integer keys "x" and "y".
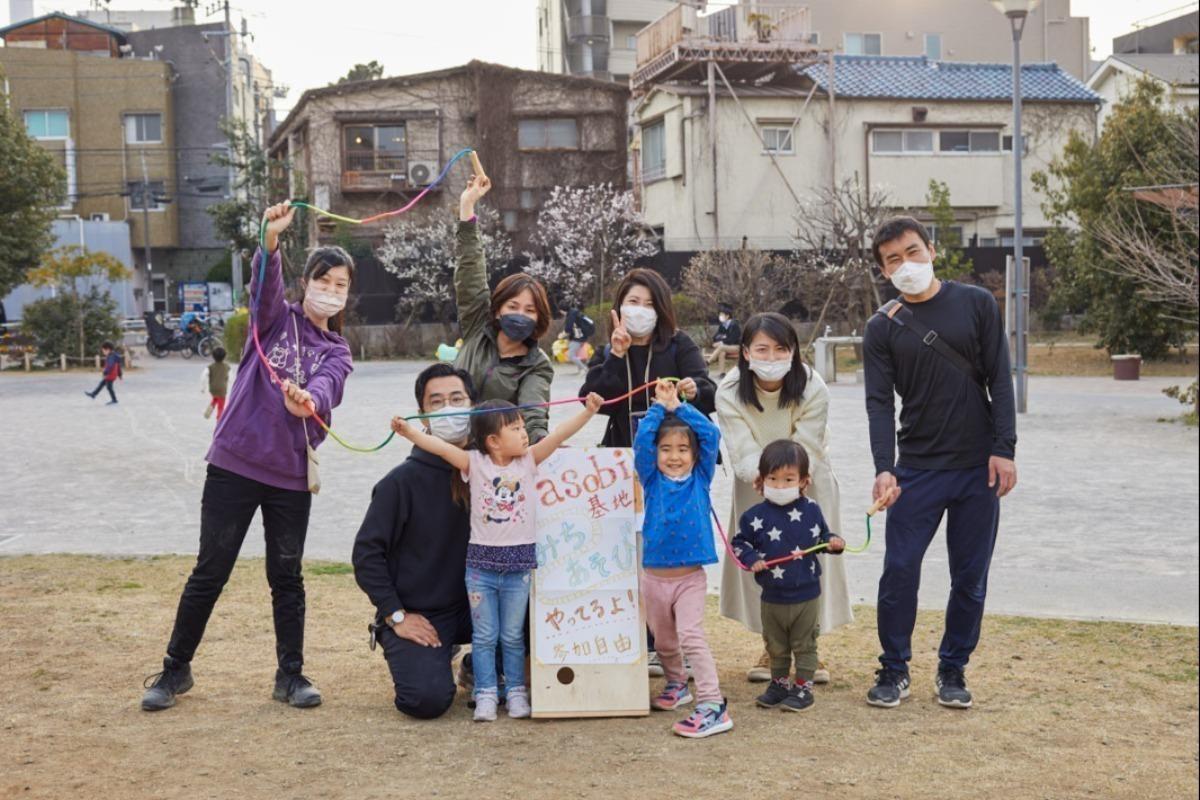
{"x": 1103, "y": 525}
{"x": 1064, "y": 710}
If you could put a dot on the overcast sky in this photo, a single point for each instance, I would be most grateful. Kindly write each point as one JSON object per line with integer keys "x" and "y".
{"x": 308, "y": 44}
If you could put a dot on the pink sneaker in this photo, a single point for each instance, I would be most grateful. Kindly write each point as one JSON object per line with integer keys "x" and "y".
{"x": 708, "y": 719}
{"x": 672, "y": 697}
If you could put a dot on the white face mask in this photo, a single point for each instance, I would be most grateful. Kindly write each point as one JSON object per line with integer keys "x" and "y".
{"x": 450, "y": 428}
{"x": 639, "y": 320}
{"x": 323, "y": 304}
{"x": 771, "y": 370}
{"x": 781, "y": 497}
{"x": 913, "y": 277}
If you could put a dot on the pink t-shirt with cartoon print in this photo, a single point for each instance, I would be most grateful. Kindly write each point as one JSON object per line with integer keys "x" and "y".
{"x": 502, "y": 513}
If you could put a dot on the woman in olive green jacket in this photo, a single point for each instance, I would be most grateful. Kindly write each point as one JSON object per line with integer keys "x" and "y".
{"x": 500, "y": 329}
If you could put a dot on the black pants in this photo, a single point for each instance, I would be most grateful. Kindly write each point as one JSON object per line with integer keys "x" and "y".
{"x": 973, "y": 517}
{"x": 228, "y": 506}
{"x": 422, "y": 677}
{"x": 105, "y": 384}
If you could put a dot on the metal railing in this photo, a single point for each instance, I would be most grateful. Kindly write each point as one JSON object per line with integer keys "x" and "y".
{"x": 748, "y": 22}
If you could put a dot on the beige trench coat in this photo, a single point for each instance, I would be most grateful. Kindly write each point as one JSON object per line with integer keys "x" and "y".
{"x": 746, "y": 431}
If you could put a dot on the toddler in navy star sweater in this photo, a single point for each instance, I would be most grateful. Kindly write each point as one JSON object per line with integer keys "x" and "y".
{"x": 782, "y": 527}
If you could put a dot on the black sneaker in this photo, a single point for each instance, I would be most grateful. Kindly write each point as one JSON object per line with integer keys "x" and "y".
{"x": 891, "y": 686}
{"x": 295, "y": 690}
{"x": 776, "y": 693}
{"x": 799, "y": 698}
{"x": 952, "y": 689}
{"x": 176, "y": 678}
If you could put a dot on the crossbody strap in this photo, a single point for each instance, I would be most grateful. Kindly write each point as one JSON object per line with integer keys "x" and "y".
{"x": 902, "y": 316}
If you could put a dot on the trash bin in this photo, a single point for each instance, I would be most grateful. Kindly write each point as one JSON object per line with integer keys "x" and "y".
{"x": 1127, "y": 367}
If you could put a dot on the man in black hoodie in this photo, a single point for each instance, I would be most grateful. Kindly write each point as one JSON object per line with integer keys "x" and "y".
{"x": 410, "y": 555}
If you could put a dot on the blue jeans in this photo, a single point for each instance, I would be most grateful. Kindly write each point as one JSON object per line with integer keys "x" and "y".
{"x": 973, "y": 513}
{"x": 499, "y": 602}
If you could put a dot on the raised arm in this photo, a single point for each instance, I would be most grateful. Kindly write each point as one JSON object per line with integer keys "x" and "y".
{"x": 454, "y": 456}
{"x": 645, "y": 448}
{"x": 267, "y": 290}
{"x": 707, "y": 436}
{"x": 471, "y": 293}
{"x": 546, "y": 447}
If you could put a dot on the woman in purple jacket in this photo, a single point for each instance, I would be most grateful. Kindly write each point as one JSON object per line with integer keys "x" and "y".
{"x": 258, "y": 460}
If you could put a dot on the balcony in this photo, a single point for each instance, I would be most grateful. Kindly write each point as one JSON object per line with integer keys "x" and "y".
{"x": 383, "y": 171}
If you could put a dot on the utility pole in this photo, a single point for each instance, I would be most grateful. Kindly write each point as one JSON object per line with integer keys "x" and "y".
{"x": 235, "y": 255}
{"x": 146, "y": 232}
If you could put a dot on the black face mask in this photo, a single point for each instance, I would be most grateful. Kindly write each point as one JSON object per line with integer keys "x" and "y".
{"x": 517, "y": 327}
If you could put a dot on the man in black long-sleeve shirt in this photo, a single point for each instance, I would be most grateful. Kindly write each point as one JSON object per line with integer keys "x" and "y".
{"x": 957, "y": 439}
{"x": 410, "y": 557}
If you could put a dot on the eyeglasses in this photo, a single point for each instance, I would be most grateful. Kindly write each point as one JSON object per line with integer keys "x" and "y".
{"x": 456, "y": 400}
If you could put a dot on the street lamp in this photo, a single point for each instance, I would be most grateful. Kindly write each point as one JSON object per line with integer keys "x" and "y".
{"x": 1017, "y": 11}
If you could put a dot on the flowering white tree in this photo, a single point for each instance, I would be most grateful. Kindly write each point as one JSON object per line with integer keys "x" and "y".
{"x": 588, "y": 235}
{"x": 421, "y": 254}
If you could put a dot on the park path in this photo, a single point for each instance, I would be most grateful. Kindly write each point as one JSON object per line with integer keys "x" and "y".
{"x": 1102, "y": 526}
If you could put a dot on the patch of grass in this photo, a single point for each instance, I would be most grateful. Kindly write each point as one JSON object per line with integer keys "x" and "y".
{"x": 118, "y": 586}
{"x": 335, "y": 568}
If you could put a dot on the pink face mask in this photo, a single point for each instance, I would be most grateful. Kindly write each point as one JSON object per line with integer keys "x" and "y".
{"x": 323, "y": 304}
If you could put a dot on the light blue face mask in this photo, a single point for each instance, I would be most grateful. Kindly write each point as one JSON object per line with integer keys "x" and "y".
{"x": 681, "y": 479}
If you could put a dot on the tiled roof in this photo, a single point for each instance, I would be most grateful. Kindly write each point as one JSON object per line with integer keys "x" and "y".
{"x": 7, "y": 29}
{"x": 918, "y": 78}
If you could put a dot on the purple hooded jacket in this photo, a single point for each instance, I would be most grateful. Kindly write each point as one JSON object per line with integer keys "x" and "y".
{"x": 257, "y": 437}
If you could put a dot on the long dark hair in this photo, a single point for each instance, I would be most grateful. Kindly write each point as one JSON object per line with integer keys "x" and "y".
{"x": 660, "y": 293}
{"x": 320, "y": 261}
{"x": 498, "y": 414}
{"x": 778, "y": 328}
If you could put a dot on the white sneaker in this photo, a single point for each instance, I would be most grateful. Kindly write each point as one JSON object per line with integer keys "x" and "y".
{"x": 821, "y": 674}
{"x": 518, "y": 703}
{"x": 485, "y": 707}
{"x": 654, "y": 665}
{"x": 760, "y": 672}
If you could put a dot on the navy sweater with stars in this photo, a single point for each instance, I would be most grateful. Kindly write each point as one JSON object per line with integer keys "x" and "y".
{"x": 677, "y": 531}
{"x": 768, "y": 531}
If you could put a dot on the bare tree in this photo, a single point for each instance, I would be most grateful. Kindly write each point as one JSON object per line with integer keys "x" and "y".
{"x": 833, "y": 250}
{"x": 749, "y": 280}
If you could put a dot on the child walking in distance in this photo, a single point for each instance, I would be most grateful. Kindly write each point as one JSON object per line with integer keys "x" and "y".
{"x": 216, "y": 382}
{"x": 500, "y": 468}
{"x": 112, "y": 372}
{"x": 675, "y": 453}
{"x": 786, "y": 523}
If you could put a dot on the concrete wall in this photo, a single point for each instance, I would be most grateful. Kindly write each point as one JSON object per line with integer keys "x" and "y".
{"x": 1113, "y": 83}
{"x": 753, "y": 200}
{"x": 104, "y": 237}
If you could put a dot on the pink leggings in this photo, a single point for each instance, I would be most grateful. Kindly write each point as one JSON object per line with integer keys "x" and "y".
{"x": 675, "y": 613}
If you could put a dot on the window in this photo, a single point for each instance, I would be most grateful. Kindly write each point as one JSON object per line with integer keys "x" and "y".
{"x": 138, "y": 199}
{"x": 914, "y": 141}
{"x": 863, "y": 44}
{"x": 510, "y": 221}
{"x": 529, "y": 200}
{"x": 47, "y": 124}
{"x": 969, "y": 142}
{"x": 631, "y": 41}
{"x": 933, "y": 46}
{"x": 143, "y": 129}
{"x": 951, "y": 236}
{"x": 654, "y": 151}
{"x": 548, "y": 134}
{"x": 777, "y": 139}
{"x": 376, "y": 148}
{"x": 814, "y": 38}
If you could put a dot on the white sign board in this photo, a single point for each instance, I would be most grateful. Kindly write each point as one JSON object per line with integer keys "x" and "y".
{"x": 586, "y": 604}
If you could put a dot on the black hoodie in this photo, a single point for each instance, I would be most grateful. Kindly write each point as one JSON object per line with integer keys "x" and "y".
{"x": 411, "y": 549}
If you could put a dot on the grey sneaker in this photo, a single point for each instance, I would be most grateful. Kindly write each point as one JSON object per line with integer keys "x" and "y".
{"x": 485, "y": 707}
{"x": 295, "y": 690}
{"x": 821, "y": 673}
{"x": 891, "y": 686}
{"x": 176, "y": 678}
{"x": 654, "y": 665}
{"x": 518, "y": 703}
{"x": 775, "y": 694}
{"x": 952, "y": 689}
{"x": 799, "y": 698}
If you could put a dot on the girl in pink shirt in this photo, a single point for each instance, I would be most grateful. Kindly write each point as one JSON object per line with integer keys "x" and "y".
{"x": 500, "y": 467}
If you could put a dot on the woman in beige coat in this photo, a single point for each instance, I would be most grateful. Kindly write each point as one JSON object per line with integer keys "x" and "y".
{"x": 773, "y": 395}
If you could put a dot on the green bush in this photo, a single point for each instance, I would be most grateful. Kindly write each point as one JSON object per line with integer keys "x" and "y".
{"x": 53, "y": 323}
{"x": 221, "y": 271}
{"x": 236, "y": 327}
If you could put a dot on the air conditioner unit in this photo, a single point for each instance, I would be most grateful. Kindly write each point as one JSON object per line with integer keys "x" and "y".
{"x": 99, "y": 217}
{"x": 421, "y": 173}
